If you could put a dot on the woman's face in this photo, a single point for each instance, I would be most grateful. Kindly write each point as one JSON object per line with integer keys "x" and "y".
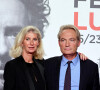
{"x": 30, "y": 43}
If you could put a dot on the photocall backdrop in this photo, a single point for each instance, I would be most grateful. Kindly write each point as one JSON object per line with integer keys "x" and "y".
{"x": 48, "y": 16}
{"x": 85, "y": 14}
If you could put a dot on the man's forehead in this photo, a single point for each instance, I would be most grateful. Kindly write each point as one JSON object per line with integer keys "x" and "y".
{"x": 68, "y": 33}
{"x": 12, "y": 13}
{"x": 11, "y": 5}
{"x": 11, "y": 19}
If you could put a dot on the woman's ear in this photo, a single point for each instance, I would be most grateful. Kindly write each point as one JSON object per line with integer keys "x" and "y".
{"x": 38, "y": 44}
{"x": 21, "y": 44}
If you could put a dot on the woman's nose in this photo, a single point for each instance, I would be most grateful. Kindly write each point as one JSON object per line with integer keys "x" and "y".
{"x": 31, "y": 42}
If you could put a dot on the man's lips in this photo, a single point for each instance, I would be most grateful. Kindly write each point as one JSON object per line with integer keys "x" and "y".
{"x": 67, "y": 49}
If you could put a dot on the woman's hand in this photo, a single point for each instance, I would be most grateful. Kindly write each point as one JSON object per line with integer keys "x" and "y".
{"x": 83, "y": 57}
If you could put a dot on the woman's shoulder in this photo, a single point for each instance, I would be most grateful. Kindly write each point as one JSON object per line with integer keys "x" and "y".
{"x": 12, "y": 62}
{"x": 40, "y": 61}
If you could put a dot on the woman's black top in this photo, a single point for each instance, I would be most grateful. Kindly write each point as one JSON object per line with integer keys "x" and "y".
{"x": 36, "y": 76}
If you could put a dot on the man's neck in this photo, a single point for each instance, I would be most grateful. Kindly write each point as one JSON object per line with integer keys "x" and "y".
{"x": 70, "y": 56}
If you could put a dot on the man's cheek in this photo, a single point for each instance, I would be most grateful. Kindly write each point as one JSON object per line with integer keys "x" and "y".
{"x": 9, "y": 41}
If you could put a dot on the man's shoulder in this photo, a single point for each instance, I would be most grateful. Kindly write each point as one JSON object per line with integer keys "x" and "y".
{"x": 89, "y": 62}
{"x": 54, "y": 58}
{"x": 51, "y": 64}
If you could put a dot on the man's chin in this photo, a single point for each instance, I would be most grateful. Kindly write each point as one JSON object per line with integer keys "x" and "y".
{"x": 1, "y": 72}
{"x": 3, "y": 59}
{"x": 70, "y": 53}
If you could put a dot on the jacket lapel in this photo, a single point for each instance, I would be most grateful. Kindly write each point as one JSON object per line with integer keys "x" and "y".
{"x": 26, "y": 73}
{"x": 58, "y": 62}
{"x": 41, "y": 69}
{"x": 82, "y": 75}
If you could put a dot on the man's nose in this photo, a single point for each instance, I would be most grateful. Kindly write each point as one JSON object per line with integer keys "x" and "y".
{"x": 3, "y": 47}
{"x": 67, "y": 43}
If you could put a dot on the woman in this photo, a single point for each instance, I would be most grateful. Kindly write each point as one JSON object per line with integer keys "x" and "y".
{"x": 25, "y": 72}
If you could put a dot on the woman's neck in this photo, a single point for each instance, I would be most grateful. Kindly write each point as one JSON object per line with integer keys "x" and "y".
{"x": 27, "y": 57}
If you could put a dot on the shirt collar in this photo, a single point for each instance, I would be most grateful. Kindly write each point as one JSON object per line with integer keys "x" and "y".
{"x": 74, "y": 61}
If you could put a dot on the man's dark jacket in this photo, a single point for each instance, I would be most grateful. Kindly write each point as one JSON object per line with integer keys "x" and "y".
{"x": 89, "y": 77}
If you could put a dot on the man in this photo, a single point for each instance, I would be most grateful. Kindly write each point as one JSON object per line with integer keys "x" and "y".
{"x": 14, "y": 15}
{"x": 83, "y": 75}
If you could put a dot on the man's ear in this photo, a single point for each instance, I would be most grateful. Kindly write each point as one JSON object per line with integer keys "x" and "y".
{"x": 79, "y": 42}
{"x": 59, "y": 42}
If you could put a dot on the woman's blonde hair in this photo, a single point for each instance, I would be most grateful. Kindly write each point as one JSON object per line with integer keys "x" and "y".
{"x": 16, "y": 50}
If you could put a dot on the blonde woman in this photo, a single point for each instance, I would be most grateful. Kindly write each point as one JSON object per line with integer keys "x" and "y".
{"x": 26, "y": 71}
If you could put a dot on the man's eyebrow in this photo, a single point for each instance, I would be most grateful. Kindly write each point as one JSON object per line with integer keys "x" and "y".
{"x": 62, "y": 38}
{"x": 12, "y": 30}
{"x": 72, "y": 38}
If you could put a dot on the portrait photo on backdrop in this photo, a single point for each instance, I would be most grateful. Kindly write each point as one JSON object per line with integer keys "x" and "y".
{"x": 14, "y": 15}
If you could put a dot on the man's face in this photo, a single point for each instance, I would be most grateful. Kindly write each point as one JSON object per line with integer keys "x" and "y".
{"x": 11, "y": 21}
{"x": 68, "y": 42}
